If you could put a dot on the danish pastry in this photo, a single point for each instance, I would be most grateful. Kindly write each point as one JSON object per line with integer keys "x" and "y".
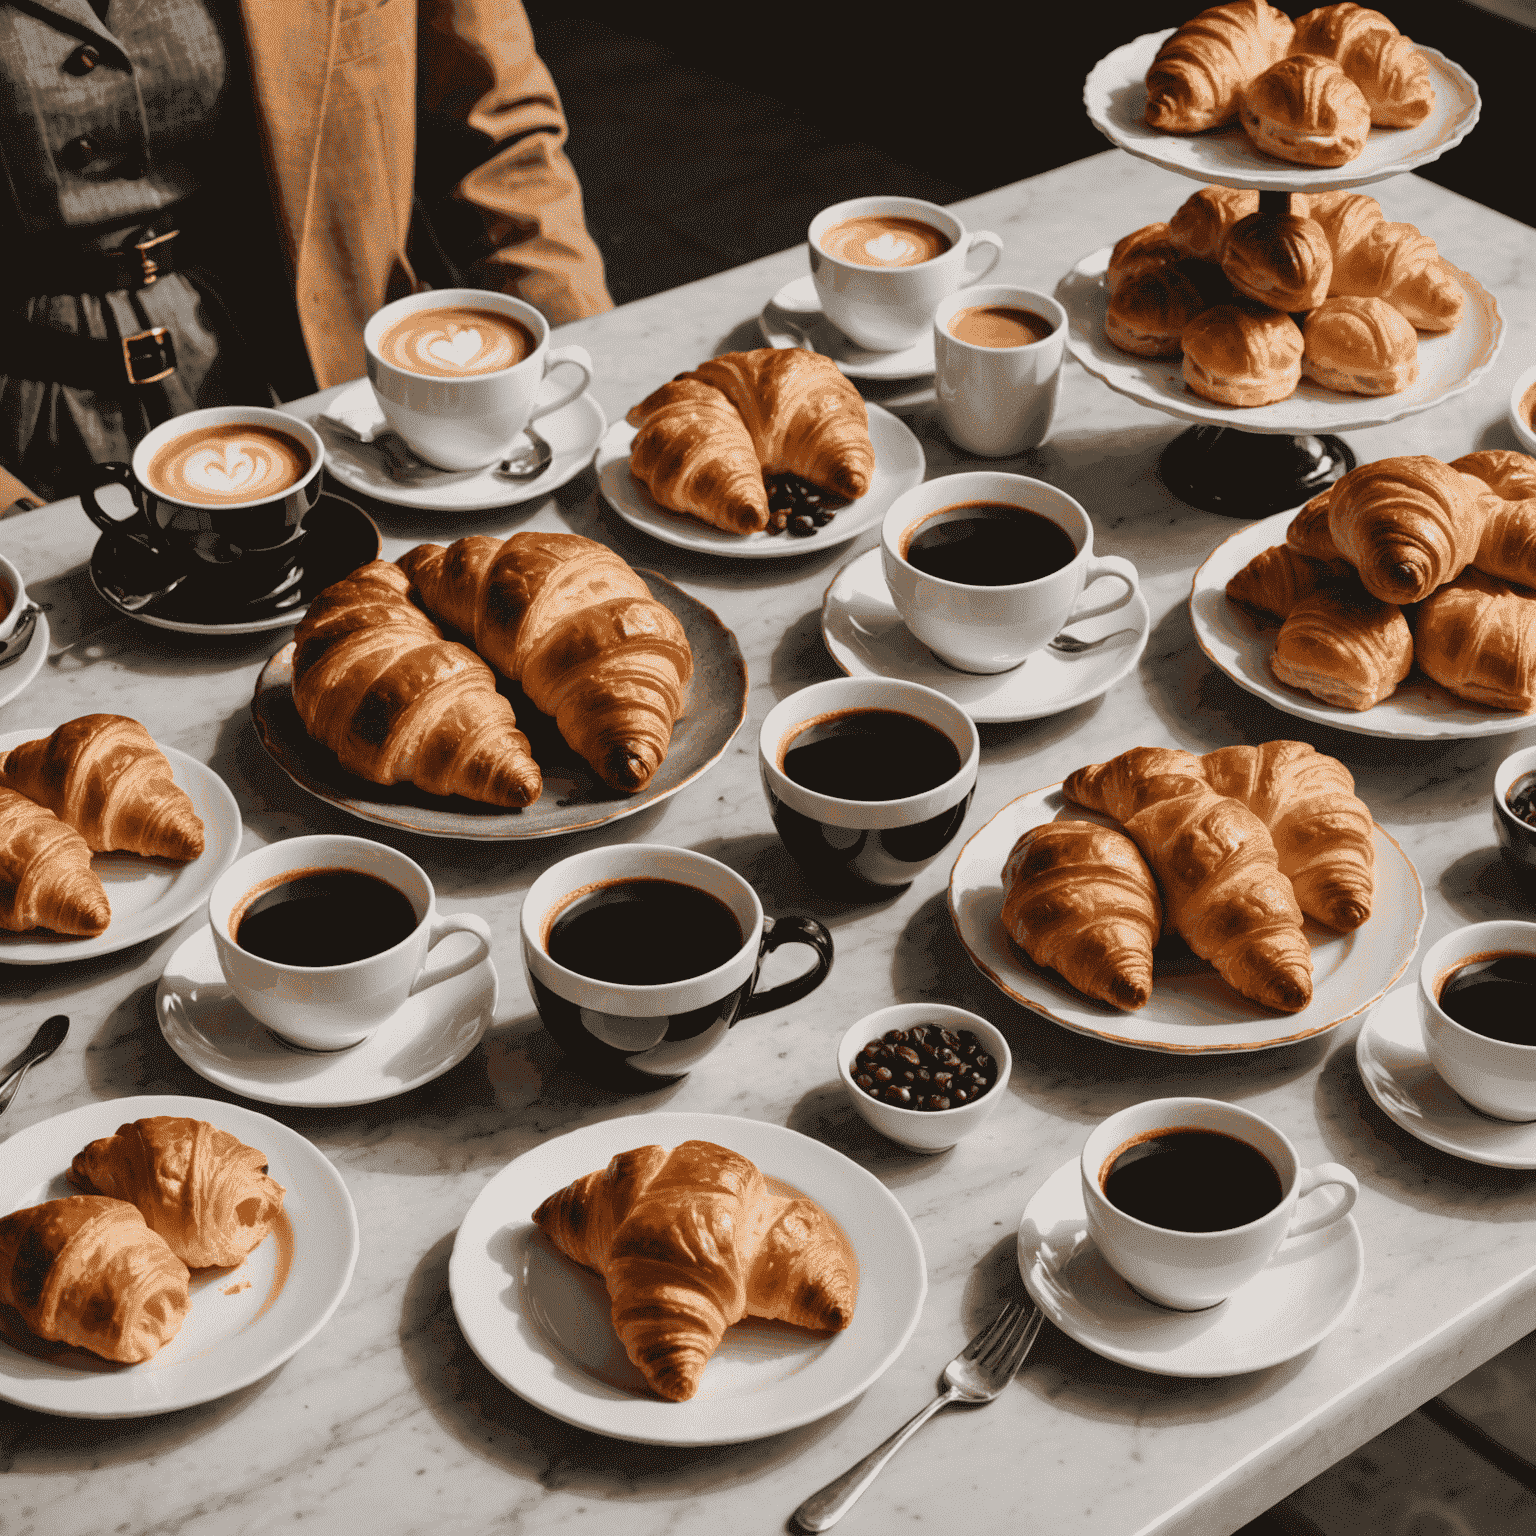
{"x": 1476, "y": 636}
{"x": 1242, "y": 355}
{"x": 1359, "y": 347}
{"x": 1343, "y": 646}
{"x": 1306, "y": 110}
{"x": 1143, "y": 250}
{"x": 1147, "y": 315}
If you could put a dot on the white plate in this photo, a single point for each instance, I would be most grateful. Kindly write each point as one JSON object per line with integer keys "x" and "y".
{"x": 1301, "y": 1297}
{"x": 148, "y": 896}
{"x": 1241, "y": 645}
{"x": 573, "y": 432}
{"x": 543, "y": 1325}
{"x": 210, "y": 1031}
{"x": 21, "y": 672}
{"x": 1191, "y": 1010}
{"x": 1115, "y": 95}
{"x": 297, "y": 1275}
{"x": 899, "y": 465}
{"x": 867, "y": 638}
{"x": 1448, "y": 364}
{"x": 794, "y": 316}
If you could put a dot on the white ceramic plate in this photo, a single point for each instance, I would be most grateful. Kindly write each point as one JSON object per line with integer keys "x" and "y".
{"x": 236, "y": 1332}
{"x": 1448, "y": 364}
{"x": 1297, "y": 1301}
{"x": 867, "y": 638}
{"x": 794, "y": 316}
{"x": 21, "y": 672}
{"x": 1241, "y": 645}
{"x": 1115, "y": 95}
{"x": 1191, "y": 1010}
{"x": 148, "y": 896}
{"x": 899, "y": 465}
{"x": 543, "y": 1325}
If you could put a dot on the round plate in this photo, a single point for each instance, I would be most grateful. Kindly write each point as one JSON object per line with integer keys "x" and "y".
{"x": 899, "y": 465}
{"x": 1448, "y": 364}
{"x": 1296, "y": 1302}
{"x": 1115, "y": 95}
{"x": 573, "y": 795}
{"x": 543, "y": 1325}
{"x": 26, "y": 667}
{"x": 1241, "y": 645}
{"x": 793, "y": 317}
{"x": 233, "y": 1336}
{"x": 148, "y": 896}
{"x": 866, "y": 638}
{"x": 1191, "y": 1010}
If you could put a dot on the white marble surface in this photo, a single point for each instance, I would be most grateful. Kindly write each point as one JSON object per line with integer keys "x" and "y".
{"x": 387, "y": 1422}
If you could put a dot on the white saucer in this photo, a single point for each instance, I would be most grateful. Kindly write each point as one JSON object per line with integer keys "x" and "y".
{"x": 867, "y": 638}
{"x": 16, "y": 676}
{"x": 219, "y": 1040}
{"x": 1296, "y": 1302}
{"x": 793, "y": 316}
{"x": 574, "y": 431}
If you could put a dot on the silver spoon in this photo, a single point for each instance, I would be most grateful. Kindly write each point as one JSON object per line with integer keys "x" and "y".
{"x": 1072, "y": 646}
{"x": 44, "y": 1043}
{"x": 401, "y": 463}
{"x": 19, "y": 638}
{"x": 526, "y": 462}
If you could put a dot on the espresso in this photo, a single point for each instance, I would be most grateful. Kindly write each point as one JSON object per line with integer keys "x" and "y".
{"x": 989, "y": 545}
{"x": 643, "y": 932}
{"x": 234, "y": 462}
{"x": 870, "y": 754}
{"x": 884, "y": 240}
{"x": 455, "y": 342}
{"x": 322, "y": 917}
{"x": 1494, "y": 995}
{"x": 1188, "y": 1180}
{"x": 998, "y": 325}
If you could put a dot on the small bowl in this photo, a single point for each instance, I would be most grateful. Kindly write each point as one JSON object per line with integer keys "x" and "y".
{"x": 1517, "y": 839}
{"x": 923, "y": 1130}
{"x": 1522, "y": 401}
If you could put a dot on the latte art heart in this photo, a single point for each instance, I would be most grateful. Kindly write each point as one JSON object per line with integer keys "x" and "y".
{"x": 455, "y": 341}
{"x": 459, "y": 349}
{"x": 888, "y": 248}
{"x": 884, "y": 240}
{"x": 224, "y": 471}
{"x": 233, "y": 462}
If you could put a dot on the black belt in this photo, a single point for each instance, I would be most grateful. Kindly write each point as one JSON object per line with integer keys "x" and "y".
{"x": 139, "y": 262}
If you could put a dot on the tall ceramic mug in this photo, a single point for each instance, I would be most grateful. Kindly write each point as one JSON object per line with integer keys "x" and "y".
{"x": 988, "y": 629}
{"x": 459, "y": 372}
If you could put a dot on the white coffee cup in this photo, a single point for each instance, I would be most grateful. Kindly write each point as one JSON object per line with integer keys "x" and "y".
{"x": 328, "y": 1008}
{"x": 1190, "y": 1271}
{"x": 998, "y": 401}
{"x": 992, "y": 629}
{"x": 1497, "y": 1077}
{"x": 888, "y": 308}
{"x": 13, "y": 598}
{"x": 469, "y": 422}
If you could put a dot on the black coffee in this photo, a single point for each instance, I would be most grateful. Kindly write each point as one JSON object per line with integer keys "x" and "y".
{"x": 993, "y": 545}
{"x": 871, "y": 754}
{"x": 1192, "y": 1181}
{"x": 319, "y": 917}
{"x": 643, "y": 932}
{"x": 1494, "y": 995}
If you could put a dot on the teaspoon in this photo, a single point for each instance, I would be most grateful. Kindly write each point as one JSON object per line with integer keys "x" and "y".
{"x": 1072, "y": 646}
{"x": 17, "y": 641}
{"x": 527, "y": 461}
{"x": 44, "y": 1043}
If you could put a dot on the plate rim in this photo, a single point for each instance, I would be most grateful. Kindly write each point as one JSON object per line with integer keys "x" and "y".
{"x": 42, "y": 638}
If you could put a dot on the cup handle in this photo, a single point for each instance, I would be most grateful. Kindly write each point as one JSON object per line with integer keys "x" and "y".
{"x": 457, "y": 922}
{"x": 115, "y": 473}
{"x": 1316, "y": 1178}
{"x": 995, "y": 243}
{"x": 577, "y": 358}
{"x": 1122, "y": 570}
{"x": 790, "y": 930}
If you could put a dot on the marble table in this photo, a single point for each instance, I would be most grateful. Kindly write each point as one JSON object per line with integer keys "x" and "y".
{"x": 387, "y": 1421}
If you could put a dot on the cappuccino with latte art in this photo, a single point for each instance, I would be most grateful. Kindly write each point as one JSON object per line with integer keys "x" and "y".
{"x": 227, "y": 464}
{"x": 455, "y": 342}
{"x": 884, "y": 240}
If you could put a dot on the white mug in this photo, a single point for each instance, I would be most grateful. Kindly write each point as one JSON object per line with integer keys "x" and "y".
{"x": 888, "y": 308}
{"x": 1190, "y": 1271}
{"x": 998, "y": 401}
{"x": 469, "y": 422}
{"x": 992, "y": 629}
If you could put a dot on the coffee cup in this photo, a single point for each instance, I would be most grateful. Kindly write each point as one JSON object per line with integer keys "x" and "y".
{"x": 881, "y": 265}
{"x": 868, "y": 780}
{"x": 1006, "y": 525}
{"x": 998, "y": 351}
{"x": 640, "y": 957}
{"x": 459, "y": 372}
{"x": 1188, "y": 1163}
{"x": 323, "y": 896}
{"x": 13, "y": 598}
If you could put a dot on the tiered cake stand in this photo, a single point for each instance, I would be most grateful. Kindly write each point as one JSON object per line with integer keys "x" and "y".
{"x": 1253, "y": 462}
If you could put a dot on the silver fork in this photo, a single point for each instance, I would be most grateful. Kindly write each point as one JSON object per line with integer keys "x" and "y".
{"x": 976, "y": 1375}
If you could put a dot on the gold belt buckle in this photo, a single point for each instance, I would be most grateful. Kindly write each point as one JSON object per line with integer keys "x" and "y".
{"x": 144, "y": 247}
{"x": 149, "y": 349}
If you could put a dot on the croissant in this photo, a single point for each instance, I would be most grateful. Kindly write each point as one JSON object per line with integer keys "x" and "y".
{"x": 1079, "y": 898}
{"x": 1343, "y": 646}
{"x": 86, "y": 1271}
{"x": 1276, "y": 579}
{"x": 693, "y": 1240}
{"x": 1306, "y": 110}
{"x": 1508, "y": 545}
{"x": 1476, "y": 636}
{"x": 1206, "y": 218}
{"x": 1392, "y": 74}
{"x": 572, "y": 623}
{"x": 375, "y": 681}
{"x": 1148, "y": 314}
{"x": 1143, "y": 250}
{"x": 46, "y": 879}
{"x": 1307, "y": 533}
{"x": 1345, "y": 218}
{"x": 1359, "y": 347}
{"x": 1279, "y": 259}
{"x": 1242, "y": 354}
{"x": 1194, "y": 81}
{"x": 104, "y": 775}
{"x": 204, "y": 1191}
{"x": 1132, "y": 781}
{"x": 1509, "y": 475}
{"x": 1395, "y": 262}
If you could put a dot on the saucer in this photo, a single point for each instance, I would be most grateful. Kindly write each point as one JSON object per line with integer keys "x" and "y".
{"x": 1293, "y": 1304}
{"x": 867, "y": 638}
{"x": 21, "y": 671}
{"x": 573, "y": 431}
{"x": 793, "y": 316}
{"x": 219, "y": 1040}
{"x": 338, "y": 537}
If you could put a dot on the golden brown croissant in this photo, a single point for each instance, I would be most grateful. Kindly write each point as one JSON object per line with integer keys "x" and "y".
{"x": 1476, "y": 636}
{"x": 1306, "y": 110}
{"x": 1147, "y": 314}
{"x": 1133, "y": 780}
{"x": 693, "y": 1240}
{"x": 375, "y": 681}
{"x": 1509, "y": 475}
{"x": 1276, "y": 579}
{"x": 104, "y": 775}
{"x": 46, "y": 879}
{"x": 1393, "y": 261}
{"x": 204, "y": 1191}
{"x": 1359, "y": 347}
{"x": 1194, "y": 81}
{"x": 1079, "y": 898}
{"x": 571, "y": 622}
{"x": 86, "y": 1271}
{"x": 1279, "y": 259}
{"x": 1242, "y": 354}
{"x": 1143, "y": 250}
{"x": 1206, "y": 218}
{"x": 1392, "y": 74}
{"x": 1345, "y": 218}
{"x": 1307, "y": 533}
{"x": 1343, "y": 646}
